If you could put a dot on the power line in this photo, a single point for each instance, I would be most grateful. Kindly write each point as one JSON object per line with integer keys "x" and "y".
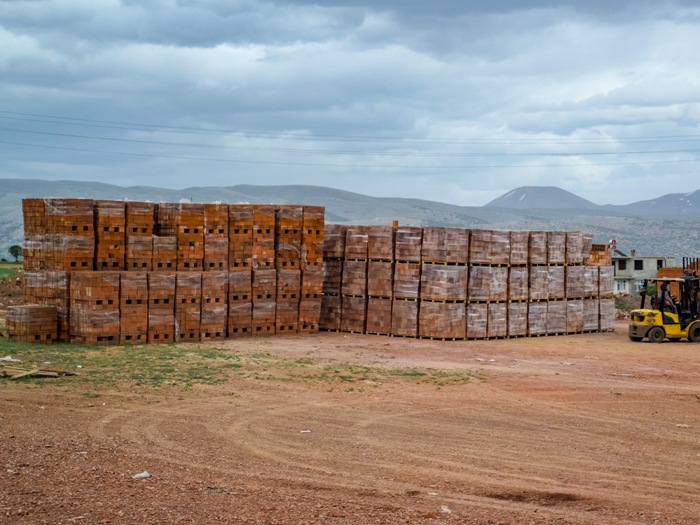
{"x": 53, "y": 119}
{"x": 344, "y": 165}
{"x": 346, "y": 152}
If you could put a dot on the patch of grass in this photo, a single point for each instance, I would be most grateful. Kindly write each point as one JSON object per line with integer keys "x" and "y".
{"x": 186, "y": 365}
{"x": 9, "y": 269}
{"x": 148, "y": 365}
{"x": 90, "y": 395}
{"x": 350, "y": 373}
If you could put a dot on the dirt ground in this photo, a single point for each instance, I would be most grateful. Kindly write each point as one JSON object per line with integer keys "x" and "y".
{"x": 583, "y": 429}
{"x": 11, "y": 292}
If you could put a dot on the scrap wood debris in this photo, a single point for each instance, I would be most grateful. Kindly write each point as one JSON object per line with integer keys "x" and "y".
{"x": 15, "y": 372}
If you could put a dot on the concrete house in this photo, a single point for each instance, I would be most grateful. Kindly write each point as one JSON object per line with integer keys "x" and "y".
{"x": 632, "y": 269}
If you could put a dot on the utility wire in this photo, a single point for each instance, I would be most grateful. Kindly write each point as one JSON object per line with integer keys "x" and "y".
{"x": 344, "y": 165}
{"x": 345, "y": 152}
{"x": 52, "y": 119}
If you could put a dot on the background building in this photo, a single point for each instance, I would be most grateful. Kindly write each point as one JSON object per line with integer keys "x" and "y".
{"x": 631, "y": 270}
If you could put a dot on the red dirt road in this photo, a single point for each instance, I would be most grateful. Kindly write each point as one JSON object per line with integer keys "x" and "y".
{"x": 585, "y": 429}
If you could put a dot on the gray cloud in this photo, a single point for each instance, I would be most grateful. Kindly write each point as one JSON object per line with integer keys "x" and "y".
{"x": 452, "y": 101}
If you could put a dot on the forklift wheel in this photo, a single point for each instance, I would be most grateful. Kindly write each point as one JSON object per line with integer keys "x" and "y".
{"x": 694, "y": 332}
{"x": 657, "y": 334}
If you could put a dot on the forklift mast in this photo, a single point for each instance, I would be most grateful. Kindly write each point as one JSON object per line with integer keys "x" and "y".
{"x": 690, "y": 286}
{"x": 643, "y": 293}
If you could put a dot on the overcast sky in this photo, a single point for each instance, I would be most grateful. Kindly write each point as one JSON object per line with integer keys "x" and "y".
{"x": 447, "y": 100}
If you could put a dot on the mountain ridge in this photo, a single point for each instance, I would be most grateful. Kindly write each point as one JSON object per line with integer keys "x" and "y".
{"x": 662, "y": 226}
{"x": 540, "y": 197}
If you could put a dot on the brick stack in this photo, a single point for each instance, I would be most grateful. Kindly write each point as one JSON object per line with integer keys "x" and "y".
{"x": 288, "y": 230}
{"x": 216, "y": 237}
{"x": 190, "y": 237}
{"x": 264, "y": 297}
{"x": 287, "y": 302}
{"x": 32, "y": 324}
{"x": 214, "y": 309}
{"x": 110, "y": 235}
{"x": 164, "y": 240}
{"x": 288, "y": 234}
{"x": 444, "y": 278}
{"x": 36, "y": 248}
{"x": 140, "y": 218}
{"x": 59, "y": 235}
{"x": 51, "y": 288}
{"x": 354, "y": 280}
{"x": 94, "y": 307}
{"x": 240, "y": 303}
{"x": 406, "y": 282}
{"x": 333, "y": 258}
{"x": 188, "y": 306}
{"x": 133, "y": 307}
{"x": 164, "y": 253}
{"x": 190, "y": 272}
{"x": 161, "y": 307}
{"x": 451, "y": 283}
{"x": 600, "y": 255}
{"x": 263, "y": 252}
{"x": 380, "y": 278}
{"x": 311, "y": 266}
{"x": 240, "y": 239}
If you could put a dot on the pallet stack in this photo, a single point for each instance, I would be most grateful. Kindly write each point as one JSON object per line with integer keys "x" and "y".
{"x": 264, "y": 298}
{"x": 451, "y": 283}
{"x": 95, "y": 307}
{"x": 110, "y": 235}
{"x": 164, "y": 253}
{"x": 240, "y": 303}
{"x": 140, "y": 218}
{"x": 214, "y": 309}
{"x": 161, "y": 307}
{"x": 188, "y": 307}
{"x": 311, "y": 266}
{"x": 263, "y": 252}
{"x": 190, "y": 237}
{"x": 133, "y": 307}
{"x": 216, "y": 237}
{"x": 240, "y": 237}
{"x": 164, "y": 239}
{"x": 32, "y": 324}
{"x": 60, "y": 234}
{"x": 51, "y": 288}
{"x": 188, "y": 272}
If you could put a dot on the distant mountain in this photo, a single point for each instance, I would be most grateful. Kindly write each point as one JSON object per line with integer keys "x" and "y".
{"x": 541, "y": 198}
{"x": 551, "y": 201}
{"x": 663, "y": 226}
{"x": 671, "y": 206}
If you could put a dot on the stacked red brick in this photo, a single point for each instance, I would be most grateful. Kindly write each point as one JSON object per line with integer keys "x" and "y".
{"x": 191, "y": 272}
{"x": 94, "y": 307}
{"x": 50, "y": 288}
{"x": 162, "y": 287}
{"x": 110, "y": 235}
{"x": 139, "y": 235}
{"x": 32, "y": 323}
{"x": 133, "y": 307}
{"x": 451, "y": 283}
{"x": 59, "y": 234}
{"x": 311, "y": 266}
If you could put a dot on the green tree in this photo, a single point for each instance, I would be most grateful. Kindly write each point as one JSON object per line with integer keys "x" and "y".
{"x": 15, "y": 250}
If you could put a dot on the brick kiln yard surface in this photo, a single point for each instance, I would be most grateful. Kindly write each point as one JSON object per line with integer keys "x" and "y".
{"x": 581, "y": 429}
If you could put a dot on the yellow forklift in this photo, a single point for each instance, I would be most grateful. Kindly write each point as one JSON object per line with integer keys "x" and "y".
{"x": 668, "y": 317}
